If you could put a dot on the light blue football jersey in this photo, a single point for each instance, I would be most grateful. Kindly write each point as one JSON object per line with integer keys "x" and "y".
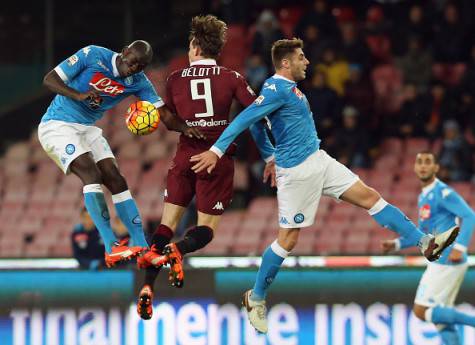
{"x": 94, "y": 67}
{"x": 290, "y": 120}
{"x": 440, "y": 209}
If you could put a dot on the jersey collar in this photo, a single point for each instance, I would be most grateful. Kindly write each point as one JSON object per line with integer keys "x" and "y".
{"x": 278, "y": 76}
{"x": 115, "y": 71}
{"x": 210, "y": 62}
{"x": 429, "y": 187}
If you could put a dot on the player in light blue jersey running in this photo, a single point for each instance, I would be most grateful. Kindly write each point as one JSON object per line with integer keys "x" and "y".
{"x": 440, "y": 209}
{"x": 302, "y": 171}
{"x": 87, "y": 84}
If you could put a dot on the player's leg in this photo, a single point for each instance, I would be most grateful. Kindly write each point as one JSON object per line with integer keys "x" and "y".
{"x": 394, "y": 219}
{"x": 85, "y": 168}
{"x": 124, "y": 203}
{"x": 152, "y": 260}
{"x": 272, "y": 259}
{"x": 65, "y": 145}
{"x": 435, "y": 298}
{"x": 178, "y": 194}
{"x": 298, "y": 194}
{"x": 385, "y": 214}
{"x": 196, "y": 238}
{"x": 341, "y": 183}
{"x": 448, "y": 332}
{"x": 213, "y": 195}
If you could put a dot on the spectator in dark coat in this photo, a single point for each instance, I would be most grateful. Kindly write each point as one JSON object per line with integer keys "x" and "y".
{"x": 351, "y": 142}
{"x": 416, "y": 65}
{"x": 455, "y": 157}
{"x": 320, "y": 16}
{"x": 450, "y": 37}
{"x": 414, "y": 113}
{"x": 353, "y": 47}
{"x": 88, "y": 248}
{"x": 324, "y": 103}
{"x": 267, "y": 32}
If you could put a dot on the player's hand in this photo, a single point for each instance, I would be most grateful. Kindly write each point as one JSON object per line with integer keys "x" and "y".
{"x": 388, "y": 246}
{"x": 205, "y": 160}
{"x": 88, "y": 95}
{"x": 269, "y": 172}
{"x": 456, "y": 256}
{"x": 193, "y": 132}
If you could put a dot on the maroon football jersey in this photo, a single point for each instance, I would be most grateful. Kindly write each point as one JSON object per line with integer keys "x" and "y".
{"x": 202, "y": 95}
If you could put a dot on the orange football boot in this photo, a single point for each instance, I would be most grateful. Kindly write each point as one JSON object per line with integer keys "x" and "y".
{"x": 121, "y": 252}
{"x": 144, "y": 304}
{"x": 175, "y": 260}
{"x": 151, "y": 258}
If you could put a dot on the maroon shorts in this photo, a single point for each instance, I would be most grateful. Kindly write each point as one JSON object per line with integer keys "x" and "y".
{"x": 213, "y": 191}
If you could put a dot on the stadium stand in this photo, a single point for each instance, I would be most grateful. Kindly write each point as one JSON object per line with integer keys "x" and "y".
{"x": 38, "y": 205}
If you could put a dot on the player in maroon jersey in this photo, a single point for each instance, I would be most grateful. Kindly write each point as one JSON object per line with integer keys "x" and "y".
{"x": 200, "y": 94}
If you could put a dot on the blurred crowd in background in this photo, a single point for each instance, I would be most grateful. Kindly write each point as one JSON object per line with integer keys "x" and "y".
{"x": 380, "y": 72}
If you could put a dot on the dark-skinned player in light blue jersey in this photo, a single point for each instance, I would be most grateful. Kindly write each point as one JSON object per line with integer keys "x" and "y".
{"x": 302, "y": 172}
{"x": 440, "y": 209}
{"x": 88, "y": 83}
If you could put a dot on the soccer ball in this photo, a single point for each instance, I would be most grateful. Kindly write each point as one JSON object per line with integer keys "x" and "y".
{"x": 142, "y": 118}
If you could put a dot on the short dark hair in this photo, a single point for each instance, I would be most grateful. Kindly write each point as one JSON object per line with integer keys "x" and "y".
{"x": 429, "y": 152}
{"x": 282, "y": 48}
{"x": 208, "y": 33}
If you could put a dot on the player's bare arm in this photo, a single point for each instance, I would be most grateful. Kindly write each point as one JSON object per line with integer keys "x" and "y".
{"x": 269, "y": 173}
{"x": 54, "y": 83}
{"x": 388, "y": 246}
{"x": 456, "y": 256}
{"x": 175, "y": 123}
{"x": 205, "y": 160}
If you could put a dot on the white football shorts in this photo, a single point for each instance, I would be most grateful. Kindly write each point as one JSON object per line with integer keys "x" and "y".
{"x": 65, "y": 141}
{"x": 440, "y": 284}
{"x": 299, "y": 188}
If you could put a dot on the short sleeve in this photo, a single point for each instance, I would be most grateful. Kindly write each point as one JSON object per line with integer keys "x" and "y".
{"x": 73, "y": 65}
{"x": 244, "y": 93}
{"x": 169, "y": 95}
{"x": 147, "y": 93}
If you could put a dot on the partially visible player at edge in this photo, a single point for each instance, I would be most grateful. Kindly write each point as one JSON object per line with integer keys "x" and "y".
{"x": 202, "y": 95}
{"x": 303, "y": 172}
{"x": 439, "y": 207}
{"x": 87, "y": 84}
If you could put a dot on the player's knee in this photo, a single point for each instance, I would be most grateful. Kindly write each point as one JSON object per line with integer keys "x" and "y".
{"x": 89, "y": 174}
{"x": 419, "y": 311}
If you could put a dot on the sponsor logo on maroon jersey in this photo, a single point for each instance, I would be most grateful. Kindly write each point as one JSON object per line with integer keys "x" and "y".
{"x": 297, "y": 92}
{"x": 103, "y": 84}
{"x": 204, "y": 123}
{"x": 424, "y": 212}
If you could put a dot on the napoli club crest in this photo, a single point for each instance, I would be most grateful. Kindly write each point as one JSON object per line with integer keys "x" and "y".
{"x": 424, "y": 212}
{"x": 70, "y": 149}
{"x": 299, "y": 218}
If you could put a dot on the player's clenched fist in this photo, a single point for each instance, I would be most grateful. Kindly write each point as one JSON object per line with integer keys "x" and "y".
{"x": 88, "y": 95}
{"x": 388, "y": 246}
{"x": 206, "y": 160}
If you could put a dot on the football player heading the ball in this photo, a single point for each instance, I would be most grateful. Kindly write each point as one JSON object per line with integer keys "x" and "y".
{"x": 87, "y": 84}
